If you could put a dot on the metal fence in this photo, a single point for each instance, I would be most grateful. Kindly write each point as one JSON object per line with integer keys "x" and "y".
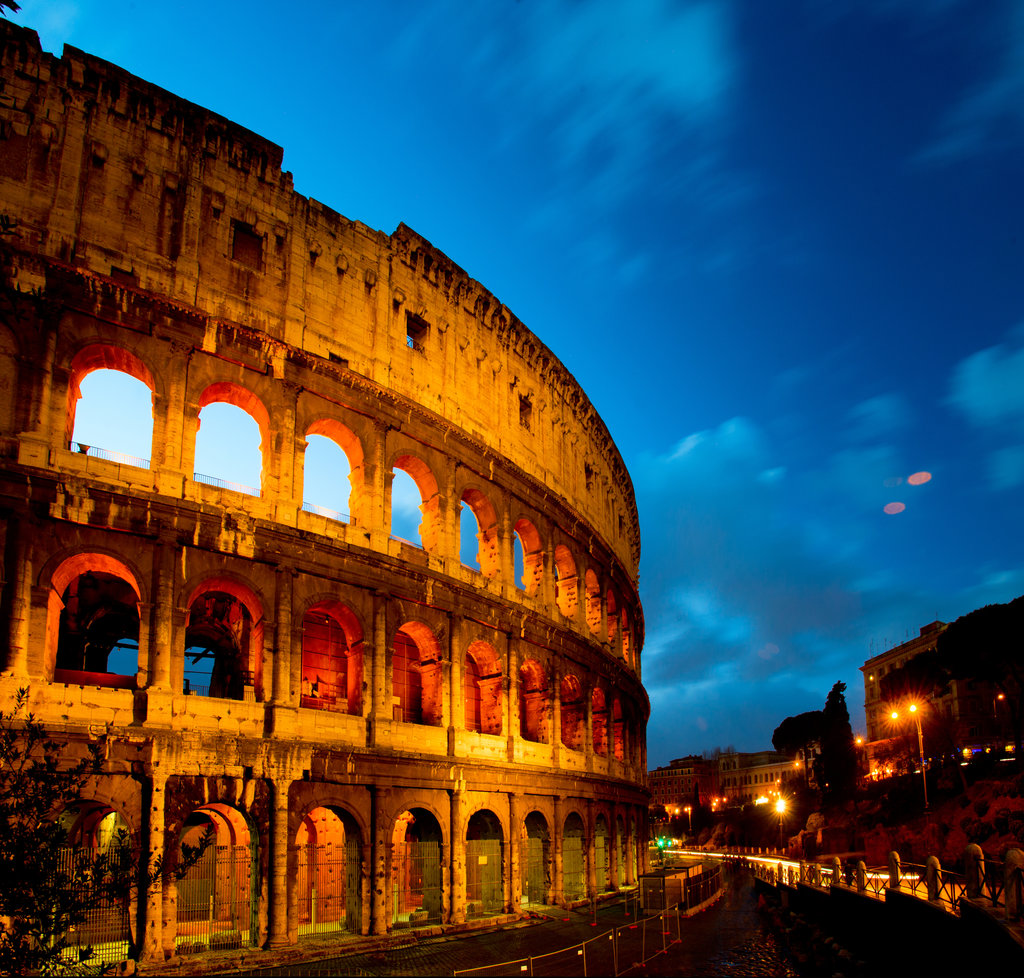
{"x": 483, "y": 877}
{"x": 331, "y": 514}
{"x": 215, "y": 901}
{"x": 93, "y": 452}
{"x": 416, "y": 876}
{"x": 327, "y": 883}
{"x": 210, "y": 480}
{"x": 105, "y": 928}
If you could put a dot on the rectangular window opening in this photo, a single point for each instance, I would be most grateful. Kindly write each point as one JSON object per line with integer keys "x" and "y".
{"x": 525, "y": 412}
{"x": 416, "y": 330}
{"x": 246, "y": 245}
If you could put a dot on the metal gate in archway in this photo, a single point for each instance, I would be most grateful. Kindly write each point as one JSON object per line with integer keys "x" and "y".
{"x": 416, "y": 875}
{"x": 329, "y": 888}
{"x": 484, "y": 890}
{"x": 573, "y": 879}
{"x": 216, "y": 900}
{"x": 535, "y": 875}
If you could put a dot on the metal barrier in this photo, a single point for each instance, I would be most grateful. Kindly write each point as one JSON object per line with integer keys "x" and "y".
{"x": 209, "y": 480}
{"x": 93, "y": 452}
{"x": 105, "y": 927}
{"x": 331, "y": 514}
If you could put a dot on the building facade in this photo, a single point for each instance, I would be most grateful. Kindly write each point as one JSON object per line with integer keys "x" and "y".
{"x": 968, "y": 716}
{"x": 374, "y": 734}
{"x": 743, "y": 778}
{"x": 685, "y": 781}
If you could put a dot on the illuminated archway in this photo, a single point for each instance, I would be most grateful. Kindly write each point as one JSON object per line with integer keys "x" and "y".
{"x": 565, "y": 581}
{"x": 534, "y": 702}
{"x": 482, "y": 688}
{"x": 416, "y": 675}
{"x": 571, "y": 704}
{"x": 332, "y": 659}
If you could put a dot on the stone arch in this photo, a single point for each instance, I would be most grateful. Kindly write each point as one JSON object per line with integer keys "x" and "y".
{"x": 487, "y": 530}
{"x": 332, "y": 658}
{"x": 613, "y": 615}
{"x": 485, "y": 864}
{"x": 571, "y": 704}
{"x": 85, "y": 607}
{"x": 593, "y": 592}
{"x": 618, "y": 730}
{"x": 534, "y": 702}
{"x": 417, "y": 843}
{"x": 566, "y": 581}
{"x": 225, "y": 626}
{"x": 352, "y": 448}
{"x": 101, "y": 356}
{"x": 627, "y": 638}
{"x": 527, "y": 538}
{"x": 482, "y": 687}
{"x": 416, "y": 675}
{"x": 574, "y": 864}
{"x": 599, "y": 721}
{"x": 217, "y": 899}
{"x": 228, "y": 392}
{"x": 328, "y": 871}
{"x": 426, "y": 483}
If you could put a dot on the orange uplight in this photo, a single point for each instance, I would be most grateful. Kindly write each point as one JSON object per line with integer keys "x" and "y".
{"x": 919, "y": 478}
{"x": 893, "y": 508}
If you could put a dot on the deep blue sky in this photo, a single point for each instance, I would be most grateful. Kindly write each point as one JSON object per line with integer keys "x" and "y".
{"x": 779, "y": 245}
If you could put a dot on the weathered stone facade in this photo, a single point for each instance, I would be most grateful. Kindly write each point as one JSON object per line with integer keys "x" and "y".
{"x": 467, "y": 740}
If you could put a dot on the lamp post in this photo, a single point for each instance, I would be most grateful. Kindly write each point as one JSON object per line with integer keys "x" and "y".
{"x": 920, "y": 745}
{"x": 780, "y": 807}
{"x": 689, "y": 814}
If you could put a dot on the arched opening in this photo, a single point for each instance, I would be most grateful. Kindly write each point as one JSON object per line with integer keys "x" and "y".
{"x": 620, "y": 835}
{"x": 223, "y": 643}
{"x": 627, "y": 639}
{"x": 601, "y": 855}
{"x": 217, "y": 896}
{"x": 416, "y": 869}
{"x": 599, "y": 721}
{"x": 478, "y": 533}
{"x": 574, "y": 869}
{"x": 534, "y": 703}
{"x": 98, "y": 850}
{"x": 618, "y": 731}
{"x": 98, "y": 633}
{"x": 484, "y": 865}
{"x": 115, "y": 417}
{"x": 565, "y": 581}
{"x": 613, "y": 616}
{"x": 529, "y": 557}
{"x": 536, "y": 861}
{"x": 332, "y": 659}
{"x": 232, "y": 428}
{"x": 482, "y": 688}
{"x": 93, "y": 613}
{"x": 326, "y": 479}
{"x": 328, "y": 851}
{"x": 415, "y": 513}
{"x": 571, "y": 701}
{"x": 416, "y": 676}
{"x": 593, "y": 602}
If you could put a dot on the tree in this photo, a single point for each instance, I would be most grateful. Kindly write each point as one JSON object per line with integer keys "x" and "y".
{"x": 838, "y": 755}
{"x": 46, "y": 885}
{"x": 986, "y": 644}
{"x": 799, "y": 734}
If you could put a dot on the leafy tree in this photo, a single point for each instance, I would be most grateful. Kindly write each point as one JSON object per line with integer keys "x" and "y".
{"x": 46, "y": 885}
{"x": 838, "y": 761}
{"x": 986, "y": 644}
{"x": 799, "y": 734}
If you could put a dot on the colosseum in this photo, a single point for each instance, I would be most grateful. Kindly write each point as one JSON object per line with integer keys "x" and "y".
{"x": 375, "y": 733}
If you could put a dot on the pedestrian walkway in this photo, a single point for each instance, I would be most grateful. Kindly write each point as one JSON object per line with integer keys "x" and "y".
{"x": 729, "y": 938}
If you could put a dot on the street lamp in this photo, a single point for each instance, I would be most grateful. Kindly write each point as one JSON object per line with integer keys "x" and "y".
{"x": 920, "y": 744}
{"x": 689, "y": 814}
{"x": 780, "y": 807}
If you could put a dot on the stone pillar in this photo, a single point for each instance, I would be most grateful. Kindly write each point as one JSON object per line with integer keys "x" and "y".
{"x": 151, "y": 899}
{"x": 283, "y": 651}
{"x": 862, "y": 876}
{"x": 510, "y": 687}
{"x": 378, "y": 478}
{"x": 590, "y": 851}
{"x": 449, "y": 514}
{"x": 377, "y": 706}
{"x": 1013, "y": 883}
{"x": 614, "y": 843}
{"x": 457, "y": 835}
{"x": 547, "y": 593}
{"x": 556, "y": 717}
{"x": 379, "y": 802}
{"x": 278, "y": 936}
{"x": 456, "y": 689}
{"x": 507, "y": 550}
{"x": 974, "y": 870}
{"x": 516, "y": 830}
{"x": 557, "y": 875}
{"x": 21, "y": 602}
{"x": 588, "y": 728}
{"x": 629, "y": 876}
{"x": 933, "y": 877}
{"x": 894, "y": 870}
{"x": 280, "y": 457}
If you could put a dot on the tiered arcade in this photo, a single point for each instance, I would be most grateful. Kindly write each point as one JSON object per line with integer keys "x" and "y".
{"x": 376, "y": 734}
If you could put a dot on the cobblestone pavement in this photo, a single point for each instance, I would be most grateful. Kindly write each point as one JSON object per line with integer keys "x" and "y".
{"x": 730, "y": 939}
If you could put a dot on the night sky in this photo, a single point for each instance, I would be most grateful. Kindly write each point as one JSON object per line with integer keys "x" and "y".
{"x": 777, "y": 243}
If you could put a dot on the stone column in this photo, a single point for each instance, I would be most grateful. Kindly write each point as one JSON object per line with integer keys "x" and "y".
{"x": 456, "y": 688}
{"x": 283, "y": 651}
{"x": 590, "y": 849}
{"x": 151, "y": 899}
{"x": 379, "y": 799}
{"x": 510, "y": 687}
{"x": 557, "y": 875}
{"x": 278, "y": 936}
{"x": 21, "y": 602}
{"x": 378, "y": 476}
{"x": 378, "y": 705}
{"x": 516, "y": 828}
{"x": 457, "y": 835}
{"x": 588, "y": 728}
{"x": 556, "y": 717}
{"x": 613, "y": 858}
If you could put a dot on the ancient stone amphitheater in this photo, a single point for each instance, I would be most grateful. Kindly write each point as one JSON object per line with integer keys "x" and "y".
{"x": 376, "y": 734}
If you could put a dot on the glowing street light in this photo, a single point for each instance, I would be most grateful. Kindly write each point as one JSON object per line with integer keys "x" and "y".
{"x": 689, "y": 814}
{"x": 920, "y": 744}
{"x": 780, "y": 807}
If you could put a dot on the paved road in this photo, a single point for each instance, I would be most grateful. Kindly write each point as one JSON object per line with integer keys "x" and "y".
{"x": 730, "y": 939}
